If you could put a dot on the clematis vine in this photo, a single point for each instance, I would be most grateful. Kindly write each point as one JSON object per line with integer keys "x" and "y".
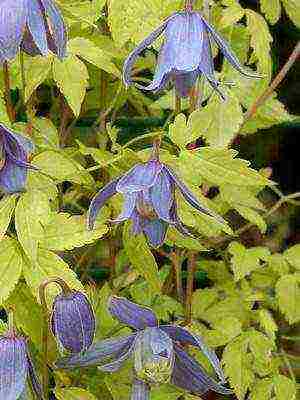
{"x": 35, "y": 26}
{"x": 149, "y": 200}
{"x": 157, "y": 351}
{"x": 185, "y": 54}
{"x": 14, "y": 153}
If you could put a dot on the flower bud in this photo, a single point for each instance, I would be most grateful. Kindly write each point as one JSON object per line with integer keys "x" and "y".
{"x": 73, "y": 321}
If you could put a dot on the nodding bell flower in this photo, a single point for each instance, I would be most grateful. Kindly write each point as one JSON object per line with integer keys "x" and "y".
{"x": 185, "y": 54}
{"x": 149, "y": 200}
{"x": 157, "y": 351}
{"x": 16, "y": 368}
{"x": 14, "y": 153}
{"x": 35, "y": 26}
{"x": 73, "y": 321}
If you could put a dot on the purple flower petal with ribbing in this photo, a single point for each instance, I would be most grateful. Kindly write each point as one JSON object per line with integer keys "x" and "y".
{"x": 155, "y": 230}
{"x": 184, "y": 82}
{"x": 162, "y": 196}
{"x": 140, "y": 177}
{"x": 190, "y": 198}
{"x": 99, "y": 353}
{"x": 21, "y": 140}
{"x": 35, "y": 382}
{"x": 57, "y": 28}
{"x": 183, "y": 336}
{"x": 131, "y": 314}
{"x": 128, "y": 207}
{"x": 99, "y": 200}
{"x": 13, "y": 15}
{"x": 189, "y": 375}
{"x": 36, "y": 26}
{"x": 140, "y": 390}
{"x": 137, "y": 221}
{"x": 13, "y": 367}
{"x": 12, "y": 177}
{"x": 227, "y": 52}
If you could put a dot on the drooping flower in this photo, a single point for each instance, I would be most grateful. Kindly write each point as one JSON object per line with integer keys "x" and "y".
{"x": 73, "y": 321}
{"x": 16, "y": 368}
{"x": 36, "y": 26}
{"x": 185, "y": 54}
{"x": 157, "y": 351}
{"x": 14, "y": 153}
{"x": 149, "y": 200}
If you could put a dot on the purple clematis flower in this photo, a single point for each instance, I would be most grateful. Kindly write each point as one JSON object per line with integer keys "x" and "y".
{"x": 36, "y": 26}
{"x": 149, "y": 200}
{"x": 14, "y": 153}
{"x": 185, "y": 54}
{"x": 16, "y": 368}
{"x": 157, "y": 351}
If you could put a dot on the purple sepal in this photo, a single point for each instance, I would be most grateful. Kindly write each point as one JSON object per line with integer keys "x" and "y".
{"x": 155, "y": 231}
{"x": 73, "y": 322}
{"x": 140, "y": 390}
{"x": 131, "y": 314}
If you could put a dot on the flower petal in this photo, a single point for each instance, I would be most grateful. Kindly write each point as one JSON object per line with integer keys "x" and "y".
{"x": 128, "y": 207}
{"x": 131, "y": 314}
{"x": 136, "y": 223}
{"x": 13, "y": 15}
{"x": 36, "y": 26}
{"x": 12, "y": 177}
{"x": 98, "y": 201}
{"x": 155, "y": 230}
{"x": 119, "y": 360}
{"x": 35, "y": 382}
{"x": 162, "y": 195}
{"x": 183, "y": 336}
{"x": 190, "y": 198}
{"x": 184, "y": 82}
{"x": 21, "y": 140}
{"x": 100, "y": 352}
{"x": 227, "y": 52}
{"x": 189, "y": 375}
{"x": 140, "y": 390}
{"x": 140, "y": 177}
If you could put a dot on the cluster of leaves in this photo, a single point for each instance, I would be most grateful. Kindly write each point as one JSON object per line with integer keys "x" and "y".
{"x": 253, "y": 293}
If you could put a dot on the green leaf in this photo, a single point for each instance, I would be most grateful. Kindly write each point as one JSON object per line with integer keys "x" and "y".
{"x": 32, "y": 211}
{"x": 40, "y": 182}
{"x": 244, "y": 261}
{"x": 202, "y": 299}
{"x": 279, "y": 386}
{"x": 73, "y": 393}
{"x": 271, "y": 9}
{"x": 218, "y": 122}
{"x": 7, "y": 206}
{"x": 62, "y": 167}
{"x": 231, "y": 15}
{"x": 293, "y": 10}
{"x": 11, "y": 262}
{"x": 87, "y": 50}
{"x": 292, "y": 255}
{"x": 267, "y": 322}
{"x": 37, "y": 70}
{"x": 142, "y": 260}
{"x": 224, "y": 331}
{"x": 49, "y": 265}
{"x": 278, "y": 264}
{"x": 178, "y": 132}
{"x": 288, "y": 296}
{"x": 45, "y": 133}
{"x": 65, "y": 232}
{"x": 174, "y": 238}
{"x": 252, "y": 216}
{"x": 71, "y": 76}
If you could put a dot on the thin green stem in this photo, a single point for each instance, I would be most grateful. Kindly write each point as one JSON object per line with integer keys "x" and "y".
{"x": 177, "y": 103}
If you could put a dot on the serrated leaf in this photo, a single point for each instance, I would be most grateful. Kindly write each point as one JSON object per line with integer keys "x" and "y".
{"x": 32, "y": 211}
{"x": 73, "y": 393}
{"x": 65, "y": 232}
{"x": 178, "y": 132}
{"x": 174, "y": 238}
{"x": 71, "y": 76}
{"x": 38, "y": 181}
{"x": 218, "y": 122}
{"x": 271, "y": 9}
{"x": 45, "y": 133}
{"x": 293, "y": 10}
{"x": 252, "y": 216}
{"x": 7, "y": 206}
{"x": 87, "y": 50}
{"x": 244, "y": 261}
{"x": 142, "y": 260}
{"x": 279, "y": 386}
{"x": 278, "y": 264}
{"x": 11, "y": 262}
{"x": 268, "y": 323}
{"x": 37, "y": 70}
{"x": 231, "y": 15}
{"x": 292, "y": 255}
{"x": 288, "y": 296}
{"x": 224, "y": 331}
{"x": 235, "y": 196}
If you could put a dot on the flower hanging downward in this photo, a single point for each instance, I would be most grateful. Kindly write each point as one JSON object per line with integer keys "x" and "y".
{"x": 185, "y": 54}
{"x": 36, "y": 26}
{"x": 14, "y": 153}
{"x": 149, "y": 200}
{"x": 157, "y": 351}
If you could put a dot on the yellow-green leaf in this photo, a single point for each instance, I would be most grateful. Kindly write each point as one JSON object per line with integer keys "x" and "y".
{"x": 288, "y": 296}
{"x": 7, "y": 206}
{"x": 292, "y": 255}
{"x": 74, "y": 393}
{"x": 292, "y": 7}
{"x": 271, "y": 9}
{"x": 37, "y": 70}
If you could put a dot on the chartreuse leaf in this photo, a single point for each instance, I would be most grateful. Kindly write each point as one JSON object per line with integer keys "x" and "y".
{"x": 84, "y": 11}
{"x": 37, "y": 181}
{"x": 178, "y": 132}
{"x": 279, "y": 386}
{"x": 253, "y": 216}
{"x": 11, "y": 262}
{"x": 141, "y": 258}
{"x": 271, "y": 9}
{"x": 120, "y": 383}
{"x": 293, "y": 10}
{"x": 61, "y": 167}
{"x": 288, "y": 296}
{"x": 49, "y": 265}
{"x": 45, "y": 133}
{"x": 267, "y": 322}
{"x": 174, "y": 238}
{"x": 278, "y": 264}
{"x": 224, "y": 330}
{"x": 3, "y": 112}
{"x": 71, "y": 76}
{"x": 218, "y": 122}
{"x": 7, "y": 206}
{"x": 244, "y": 261}
{"x": 292, "y": 255}
{"x": 73, "y": 393}
{"x": 32, "y": 211}
{"x": 231, "y": 15}
{"x": 37, "y": 70}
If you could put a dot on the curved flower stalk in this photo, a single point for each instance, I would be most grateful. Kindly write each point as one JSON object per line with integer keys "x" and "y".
{"x": 185, "y": 54}
{"x": 14, "y": 153}
{"x": 36, "y": 26}
{"x": 149, "y": 200}
{"x": 157, "y": 351}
